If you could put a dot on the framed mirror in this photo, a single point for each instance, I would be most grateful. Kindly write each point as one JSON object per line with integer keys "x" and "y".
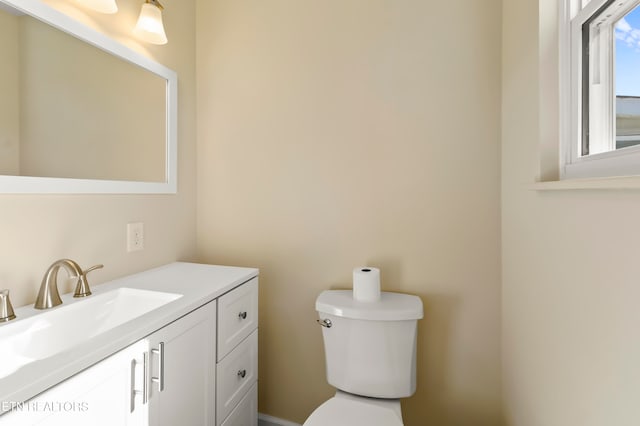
{"x": 80, "y": 112}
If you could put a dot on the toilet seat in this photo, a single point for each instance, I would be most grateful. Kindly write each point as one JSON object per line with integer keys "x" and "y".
{"x": 351, "y": 410}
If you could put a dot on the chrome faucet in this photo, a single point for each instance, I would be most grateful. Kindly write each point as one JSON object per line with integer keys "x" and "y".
{"x": 48, "y": 296}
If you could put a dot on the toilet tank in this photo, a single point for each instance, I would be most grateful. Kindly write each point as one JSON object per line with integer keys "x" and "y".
{"x": 370, "y": 347}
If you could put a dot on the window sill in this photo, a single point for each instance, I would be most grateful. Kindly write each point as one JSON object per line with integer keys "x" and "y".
{"x": 615, "y": 182}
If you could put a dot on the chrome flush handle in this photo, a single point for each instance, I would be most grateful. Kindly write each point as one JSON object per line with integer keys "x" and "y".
{"x": 325, "y": 323}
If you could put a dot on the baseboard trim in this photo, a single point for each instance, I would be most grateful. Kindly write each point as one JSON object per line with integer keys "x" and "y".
{"x": 266, "y": 420}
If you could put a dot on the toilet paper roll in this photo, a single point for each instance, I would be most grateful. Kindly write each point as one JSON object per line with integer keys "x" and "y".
{"x": 366, "y": 284}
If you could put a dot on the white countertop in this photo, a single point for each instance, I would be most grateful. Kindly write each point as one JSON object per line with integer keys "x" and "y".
{"x": 198, "y": 283}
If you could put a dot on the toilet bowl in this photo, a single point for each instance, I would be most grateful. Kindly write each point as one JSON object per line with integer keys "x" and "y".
{"x": 345, "y": 409}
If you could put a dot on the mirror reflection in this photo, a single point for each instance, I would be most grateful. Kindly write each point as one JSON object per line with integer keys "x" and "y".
{"x": 71, "y": 110}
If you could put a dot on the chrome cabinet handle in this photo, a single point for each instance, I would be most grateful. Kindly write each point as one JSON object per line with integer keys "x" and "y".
{"x": 242, "y": 373}
{"x": 145, "y": 377}
{"x": 160, "y": 379}
{"x": 325, "y": 323}
{"x": 242, "y": 315}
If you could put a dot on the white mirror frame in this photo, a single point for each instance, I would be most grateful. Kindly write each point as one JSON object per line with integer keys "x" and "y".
{"x": 48, "y": 185}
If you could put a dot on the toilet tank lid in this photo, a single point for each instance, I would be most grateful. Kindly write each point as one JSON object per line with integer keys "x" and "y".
{"x": 391, "y": 307}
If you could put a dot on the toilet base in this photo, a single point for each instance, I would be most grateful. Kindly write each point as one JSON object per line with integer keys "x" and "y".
{"x": 345, "y": 409}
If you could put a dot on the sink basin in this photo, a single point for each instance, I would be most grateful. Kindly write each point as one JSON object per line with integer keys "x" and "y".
{"x": 54, "y": 331}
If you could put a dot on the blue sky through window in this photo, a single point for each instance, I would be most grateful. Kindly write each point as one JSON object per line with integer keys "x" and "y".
{"x": 628, "y": 54}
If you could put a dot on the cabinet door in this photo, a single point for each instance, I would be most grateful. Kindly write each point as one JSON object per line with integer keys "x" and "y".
{"x": 182, "y": 370}
{"x": 99, "y": 396}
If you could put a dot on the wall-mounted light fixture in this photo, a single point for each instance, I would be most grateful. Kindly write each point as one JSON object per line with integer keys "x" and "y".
{"x": 149, "y": 26}
{"x": 102, "y": 6}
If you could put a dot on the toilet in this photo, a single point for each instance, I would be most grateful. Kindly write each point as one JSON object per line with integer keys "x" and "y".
{"x": 370, "y": 353}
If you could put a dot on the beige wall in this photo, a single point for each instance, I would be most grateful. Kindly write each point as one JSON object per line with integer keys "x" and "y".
{"x": 340, "y": 133}
{"x": 35, "y": 230}
{"x": 570, "y": 268}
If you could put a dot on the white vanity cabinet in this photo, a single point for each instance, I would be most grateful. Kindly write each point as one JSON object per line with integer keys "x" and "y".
{"x": 166, "y": 379}
{"x": 200, "y": 369}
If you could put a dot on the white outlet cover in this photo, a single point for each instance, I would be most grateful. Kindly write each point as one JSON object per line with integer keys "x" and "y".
{"x": 135, "y": 236}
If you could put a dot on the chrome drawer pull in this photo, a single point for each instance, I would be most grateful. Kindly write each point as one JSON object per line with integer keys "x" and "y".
{"x": 145, "y": 376}
{"x": 242, "y": 373}
{"x": 160, "y": 379}
{"x": 242, "y": 315}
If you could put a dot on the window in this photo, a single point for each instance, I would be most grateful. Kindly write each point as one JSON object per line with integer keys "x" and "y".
{"x": 602, "y": 62}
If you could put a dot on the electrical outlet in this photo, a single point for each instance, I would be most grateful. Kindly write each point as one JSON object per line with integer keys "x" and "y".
{"x": 135, "y": 236}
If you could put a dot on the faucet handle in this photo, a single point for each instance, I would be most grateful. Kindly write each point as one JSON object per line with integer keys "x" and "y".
{"x": 93, "y": 268}
{"x": 6, "y": 310}
{"x": 82, "y": 289}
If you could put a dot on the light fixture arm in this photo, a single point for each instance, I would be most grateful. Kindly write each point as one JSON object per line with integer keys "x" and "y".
{"x": 156, "y": 3}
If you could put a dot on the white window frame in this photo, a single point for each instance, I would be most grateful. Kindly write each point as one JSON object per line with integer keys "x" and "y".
{"x": 603, "y": 160}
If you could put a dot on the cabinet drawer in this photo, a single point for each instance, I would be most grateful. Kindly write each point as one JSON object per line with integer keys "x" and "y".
{"x": 235, "y": 374}
{"x": 246, "y": 412}
{"x": 237, "y": 316}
